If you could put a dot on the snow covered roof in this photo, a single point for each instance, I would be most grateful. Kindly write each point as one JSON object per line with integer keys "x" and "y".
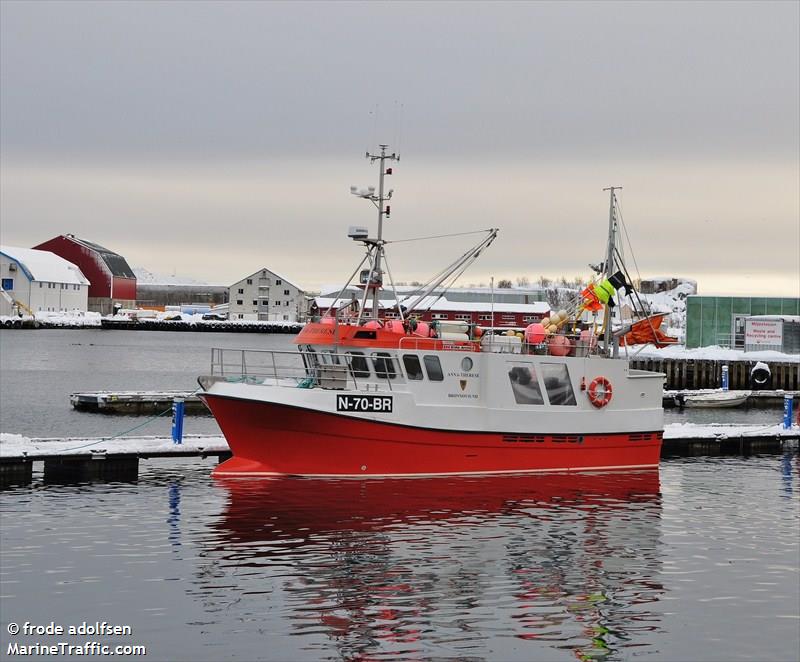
{"x": 442, "y": 304}
{"x": 405, "y": 289}
{"x": 45, "y": 266}
{"x": 114, "y": 261}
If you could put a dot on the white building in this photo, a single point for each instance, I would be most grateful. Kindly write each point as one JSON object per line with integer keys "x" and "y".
{"x": 41, "y": 281}
{"x": 265, "y": 295}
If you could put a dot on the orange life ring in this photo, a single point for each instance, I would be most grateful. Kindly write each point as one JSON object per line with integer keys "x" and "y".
{"x": 600, "y": 392}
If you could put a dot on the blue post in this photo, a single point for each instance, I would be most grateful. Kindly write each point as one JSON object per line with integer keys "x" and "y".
{"x": 724, "y": 378}
{"x": 788, "y": 402}
{"x": 177, "y": 421}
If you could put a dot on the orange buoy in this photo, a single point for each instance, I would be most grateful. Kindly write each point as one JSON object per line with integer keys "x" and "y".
{"x": 600, "y": 392}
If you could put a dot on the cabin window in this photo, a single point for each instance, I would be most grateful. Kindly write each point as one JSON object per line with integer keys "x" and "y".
{"x": 334, "y": 355}
{"x": 413, "y": 367}
{"x": 525, "y": 385}
{"x": 384, "y": 365}
{"x": 439, "y": 316}
{"x": 358, "y": 365}
{"x": 464, "y": 317}
{"x": 8, "y": 284}
{"x": 558, "y": 384}
{"x": 434, "y": 368}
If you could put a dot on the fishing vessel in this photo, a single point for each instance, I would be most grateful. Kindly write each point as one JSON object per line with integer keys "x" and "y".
{"x": 372, "y": 391}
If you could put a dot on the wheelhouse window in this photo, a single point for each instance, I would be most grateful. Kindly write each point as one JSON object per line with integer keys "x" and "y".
{"x": 558, "y": 384}
{"x": 434, "y": 368}
{"x": 413, "y": 367}
{"x": 384, "y": 365}
{"x": 359, "y": 367}
{"x": 525, "y": 384}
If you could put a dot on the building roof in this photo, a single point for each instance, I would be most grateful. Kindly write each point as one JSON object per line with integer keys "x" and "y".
{"x": 442, "y": 304}
{"x": 45, "y": 266}
{"x": 116, "y": 264}
{"x": 278, "y": 276}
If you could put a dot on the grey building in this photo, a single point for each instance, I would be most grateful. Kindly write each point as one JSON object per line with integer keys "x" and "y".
{"x": 264, "y": 295}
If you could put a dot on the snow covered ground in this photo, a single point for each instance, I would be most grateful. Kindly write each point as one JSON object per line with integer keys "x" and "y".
{"x": 714, "y": 353}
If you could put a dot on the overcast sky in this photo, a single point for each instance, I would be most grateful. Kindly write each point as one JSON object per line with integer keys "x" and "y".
{"x": 211, "y": 139}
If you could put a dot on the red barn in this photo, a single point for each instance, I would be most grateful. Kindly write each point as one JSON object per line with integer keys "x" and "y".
{"x": 111, "y": 279}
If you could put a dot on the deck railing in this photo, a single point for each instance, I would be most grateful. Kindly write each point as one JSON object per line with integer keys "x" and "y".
{"x": 330, "y": 370}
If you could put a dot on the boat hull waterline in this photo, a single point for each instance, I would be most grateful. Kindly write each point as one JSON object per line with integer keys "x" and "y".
{"x": 273, "y": 439}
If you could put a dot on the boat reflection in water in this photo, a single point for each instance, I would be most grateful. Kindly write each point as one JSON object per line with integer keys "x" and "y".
{"x": 560, "y": 565}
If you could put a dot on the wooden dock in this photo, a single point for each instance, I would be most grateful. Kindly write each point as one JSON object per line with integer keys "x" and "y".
{"x": 136, "y": 402}
{"x": 154, "y": 402}
{"x": 757, "y": 399}
{"x": 79, "y": 460}
{"x": 700, "y": 374}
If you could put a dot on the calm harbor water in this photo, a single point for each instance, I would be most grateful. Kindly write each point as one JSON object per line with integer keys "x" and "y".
{"x": 698, "y": 561}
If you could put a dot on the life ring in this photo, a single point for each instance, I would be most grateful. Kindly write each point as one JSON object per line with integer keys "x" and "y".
{"x": 600, "y": 392}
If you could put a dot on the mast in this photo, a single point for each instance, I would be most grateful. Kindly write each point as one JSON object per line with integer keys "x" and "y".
{"x": 609, "y": 264}
{"x": 376, "y": 275}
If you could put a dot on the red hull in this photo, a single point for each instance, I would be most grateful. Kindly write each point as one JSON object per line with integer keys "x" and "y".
{"x": 270, "y": 439}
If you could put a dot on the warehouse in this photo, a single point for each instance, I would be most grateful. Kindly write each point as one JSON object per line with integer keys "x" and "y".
{"x": 264, "y": 295}
{"x": 41, "y": 282}
{"x": 721, "y": 320}
{"x": 112, "y": 280}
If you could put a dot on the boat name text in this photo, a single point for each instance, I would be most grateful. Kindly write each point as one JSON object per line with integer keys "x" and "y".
{"x": 371, "y": 403}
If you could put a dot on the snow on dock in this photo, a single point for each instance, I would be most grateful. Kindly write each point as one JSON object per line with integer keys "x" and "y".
{"x": 78, "y": 459}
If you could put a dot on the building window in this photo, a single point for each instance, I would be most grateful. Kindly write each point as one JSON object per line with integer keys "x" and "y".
{"x": 249, "y": 281}
{"x": 264, "y": 303}
{"x": 241, "y": 291}
{"x": 8, "y": 284}
{"x": 439, "y": 316}
{"x": 40, "y": 287}
{"x": 466, "y": 317}
{"x": 286, "y": 304}
{"x": 241, "y": 316}
{"x": 255, "y": 302}
{"x": 238, "y": 302}
{"x": 485, "y": 318}
{"x": 286, "y": 317}
{"x": 530, "y": 318}
{"x": 279, "y": 282}
{"x": 277, "y": 303}
{"x": 286, "y": 292}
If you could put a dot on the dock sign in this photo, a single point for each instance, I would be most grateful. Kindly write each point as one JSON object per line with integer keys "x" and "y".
{"x": 763, "y": 334}
{"x": 364, "y": 403}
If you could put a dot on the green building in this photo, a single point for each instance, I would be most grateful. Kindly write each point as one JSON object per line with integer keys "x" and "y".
{"x": 718, "y": 320}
